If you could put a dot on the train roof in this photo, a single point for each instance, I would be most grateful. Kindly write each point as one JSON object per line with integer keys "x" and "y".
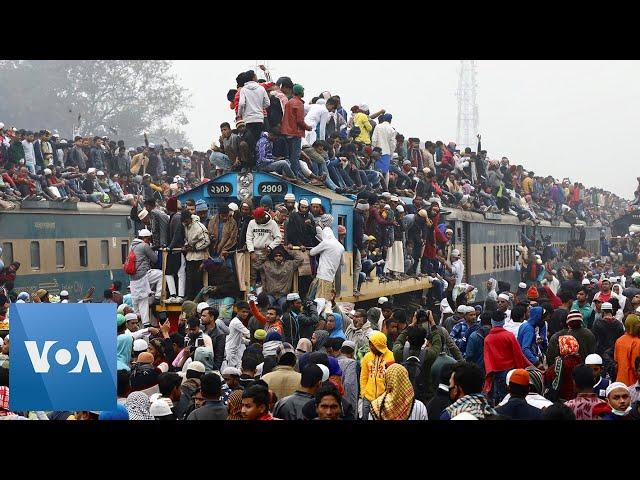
{"x": 58, "y": 208}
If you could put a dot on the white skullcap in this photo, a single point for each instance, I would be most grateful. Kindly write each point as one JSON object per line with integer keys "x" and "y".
{"x": 593, "y": 359}
{"x": 538, "y": 261}
{"x": 522, "y": 285}
{"x": 293, "y": 296}
{"x": 462, "y": 309}
{"x": 382, "y": 300}
{"x": 394, "y": 198}
{"x": 325, "y": 371}
{"x": 614, "y": 386}
{"x": 64, "y": 293}
{"x": 289, "y": 196}
{"x": 606, "y": 306}
{"x": 464, "y": 416}
{"x": 364, "y": 107}
{"x": 400, "y": 209}
{"x": 152, "y": 145}
{"x": 455, "y": 252}
{"x": 20, "y": 301}
{"x": 504, "y": 296}
{"x": 100, "y": 173}
{"x": 517, "y": 254}
{"x": 426, "y": 169}
{"x": 1, "y": 125}
{"x": 144, "y": 233}
{"x": 233, "y": 207}
{"x": 160, "y": 408}
{"x": 130, "y": 316}
{"x": 121, "y": 307}
{"x": 201, "y": 306}
{"x": 387, "y": 207}
{"x": 231, "y": 371}
{"x": 316, "y": 201}
{"x": 143, "y": 214}
{"x": 585, "y": 281}
{"x": 304, "y": 202}
{"x": 140, "y": 345}
{"x": 91, "y": 170}
{"x": 386, "y": 195}
{"x": 47, "y": 171}
{"x": 197, "y": 367}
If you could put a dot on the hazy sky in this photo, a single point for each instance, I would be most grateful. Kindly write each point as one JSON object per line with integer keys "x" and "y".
{"x": 576, "y": 119}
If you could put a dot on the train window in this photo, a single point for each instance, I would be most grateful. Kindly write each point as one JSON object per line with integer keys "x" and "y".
{"x": 84, "y": 253}
{"x": 60, "y": 254}
{"x": 342, "y": 220}
{"x": 459, "y": 230}
{"x": 484, "y": 258}
{"x": 104, "y": 252}
{"x": 495, "y": 257}
{"x": 7, "y": 253}
{"x": 124, "y": 250}
{"x": 35, "y": 255}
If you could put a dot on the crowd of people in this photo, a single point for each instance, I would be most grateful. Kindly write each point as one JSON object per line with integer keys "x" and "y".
{"x": 564, "y": 344}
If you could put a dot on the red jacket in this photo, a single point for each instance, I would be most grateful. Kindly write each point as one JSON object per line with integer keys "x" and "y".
{"x": 553, "y": 298}
{"x": 433, "y": 239}
{"x": 293, "y": 120}
{"x": 501, "y": 352}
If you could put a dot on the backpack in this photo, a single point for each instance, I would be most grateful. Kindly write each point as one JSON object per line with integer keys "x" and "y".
{"x": 413, "y": 365}
{"x": 129, "y": 266}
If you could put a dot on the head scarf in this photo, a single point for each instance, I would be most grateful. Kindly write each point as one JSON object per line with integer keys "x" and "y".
{"x": 304, "y": 346}
{"x": 338, "y": 331}
{"x": 123, "y": 352}
{"x": 396, "y": 402}
{"x": 234, "y": 405}
{"x": 632, "y": 325}
{"x": 568, "y": 345}
{"x": 138, "y": 406}
{"x": 321, "y": 339}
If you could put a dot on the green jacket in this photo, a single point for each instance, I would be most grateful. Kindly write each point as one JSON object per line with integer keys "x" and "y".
{"x": 15, "y": 153}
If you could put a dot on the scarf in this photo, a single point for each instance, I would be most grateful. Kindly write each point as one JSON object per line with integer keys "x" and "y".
{"x": 234, "y": 405}
{"x": 475, "y": 404}
{"x": 138, "y": 406}
{"x": 396, "y": 402}
{"x": 321, "y": 339}
{"x": 304, "y": 346}
{"x": 568, "y": 346}
{"x": 338, "y": 331}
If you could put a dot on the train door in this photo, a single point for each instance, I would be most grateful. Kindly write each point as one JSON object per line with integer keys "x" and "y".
{"x": 462, "y": 238}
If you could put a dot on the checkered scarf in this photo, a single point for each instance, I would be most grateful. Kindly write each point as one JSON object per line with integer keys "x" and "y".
{"x": 138, "y": 406}
{"x": 475, "y": 404}
{"x": 397, "y": 401}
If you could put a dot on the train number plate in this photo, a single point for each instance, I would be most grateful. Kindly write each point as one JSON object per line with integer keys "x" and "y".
{"x": 270, "y": 188}
{"x": 220, "y": 189}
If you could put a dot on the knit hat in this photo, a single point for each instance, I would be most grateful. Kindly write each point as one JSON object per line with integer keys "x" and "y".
{"x": 201, "y": 206}
{"x": 298, "y": 89}
{"x": 574, "y": 316}
{"x": 520, "y": 377}
{"x": 532, "y": 293}
{"x": 266, "y": 201}
{"x": 259, "y": 213}
{"x": 260, "y": 334}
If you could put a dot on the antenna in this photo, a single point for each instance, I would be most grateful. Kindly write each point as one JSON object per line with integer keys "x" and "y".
{"x": 468, "y": 112}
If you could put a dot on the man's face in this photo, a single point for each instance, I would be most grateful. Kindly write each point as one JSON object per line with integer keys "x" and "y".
{"x": 607, "y": 315}
{"x": 98, "y": 142}
{"x": 597, "y": 371}
{"x": 331, "y": 323}
{"x": 635, "y": 300}
{"x": 315, "y": 210}
{"x": 133, "y": 325}
{"x": 271, "y": 315}
{"x": 503, "y": 305}
{"x": 193, "y": 332}
{"x": 231, "y": 380}
{"x": 373, "y": 348}
{"x": 5, "y": 347}
{"x": 206, "y": 318}
{"x": 278, "y": 258}
{"x": 191, "y": 209}
{"x": 30, "y": 138}
{"x": 198, "y": 399}
{"x": 223, "y": 216}
{"x": 358, "y": 321}
{"x": 606, "y": 286}
{"x": 226, "y": 131}
{"x": 328, "y": 408}
{"x": 251, "y": 411}
{"x": 290, "y": 204}
{"x": 470, "y": 317}
{"x": 619, "y": 399}
{"x": 243, "y": 313}
{"x": 297, "y": 305}
{"x": 581, "y": 297}
{"x": 203, "y": 215}
{"x": 435, "y": 209}
{"x": 303, "y": 209}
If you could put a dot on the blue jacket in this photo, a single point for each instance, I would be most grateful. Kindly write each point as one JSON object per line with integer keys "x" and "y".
{"x": 527, "y": 335}
{"x": 475, "y": 346}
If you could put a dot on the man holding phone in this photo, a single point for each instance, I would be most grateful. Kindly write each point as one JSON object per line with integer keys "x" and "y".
{"x": 196, "y": 337}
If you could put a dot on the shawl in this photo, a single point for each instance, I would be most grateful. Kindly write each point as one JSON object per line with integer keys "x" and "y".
{"x": 396, "y": 402}
{"x": 475, "y": 404}
{"x": 138, "y": 406}
{"x": 234, "y": 405}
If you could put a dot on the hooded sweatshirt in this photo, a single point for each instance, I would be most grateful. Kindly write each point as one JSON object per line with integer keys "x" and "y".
{"x": 527, "y": 335}
{"x": 373, "y": 367}
{"x": 145, "y": 258}
{"x": 337, "y": 332}
{"x": 253, "y": 100}
{"x": 331, "y": 250}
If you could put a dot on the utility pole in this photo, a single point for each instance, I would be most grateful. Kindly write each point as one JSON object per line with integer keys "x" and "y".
{"x": 468, "y": 115}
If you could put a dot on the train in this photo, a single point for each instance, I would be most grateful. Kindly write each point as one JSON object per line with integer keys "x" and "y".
{"x": 64, "y": 246}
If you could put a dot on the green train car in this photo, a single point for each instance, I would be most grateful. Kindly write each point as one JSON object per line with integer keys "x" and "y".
{"x": 65, "y": 246}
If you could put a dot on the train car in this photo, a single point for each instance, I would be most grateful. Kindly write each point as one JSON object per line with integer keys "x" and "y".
{"x": 66, "y": 246}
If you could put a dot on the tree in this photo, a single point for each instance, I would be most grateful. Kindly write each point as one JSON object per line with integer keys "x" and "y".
{"x": 123, "y": 96}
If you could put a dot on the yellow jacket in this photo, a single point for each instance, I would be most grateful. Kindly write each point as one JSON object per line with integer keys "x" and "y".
{"x": 527, "y": 185}
{"x": 362, "y": 120}
{"x": 373, "y": 367}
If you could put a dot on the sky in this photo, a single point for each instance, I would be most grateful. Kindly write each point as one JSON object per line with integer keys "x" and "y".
{"x": 566, "y": 118}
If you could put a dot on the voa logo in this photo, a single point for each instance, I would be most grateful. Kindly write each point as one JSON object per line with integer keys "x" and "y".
{"x": 40, "y": 357}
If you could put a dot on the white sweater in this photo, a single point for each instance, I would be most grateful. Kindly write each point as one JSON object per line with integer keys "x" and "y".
{"x": 384, "y": 136}
{"x": 253, "y": 99}
{"x": 261, "y": 236}
{"x": 235, "y": 342}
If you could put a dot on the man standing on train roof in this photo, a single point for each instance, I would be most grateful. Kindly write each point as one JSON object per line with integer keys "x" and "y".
{"x": 145, "y": 277}
{"x": 434, "y": 236}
